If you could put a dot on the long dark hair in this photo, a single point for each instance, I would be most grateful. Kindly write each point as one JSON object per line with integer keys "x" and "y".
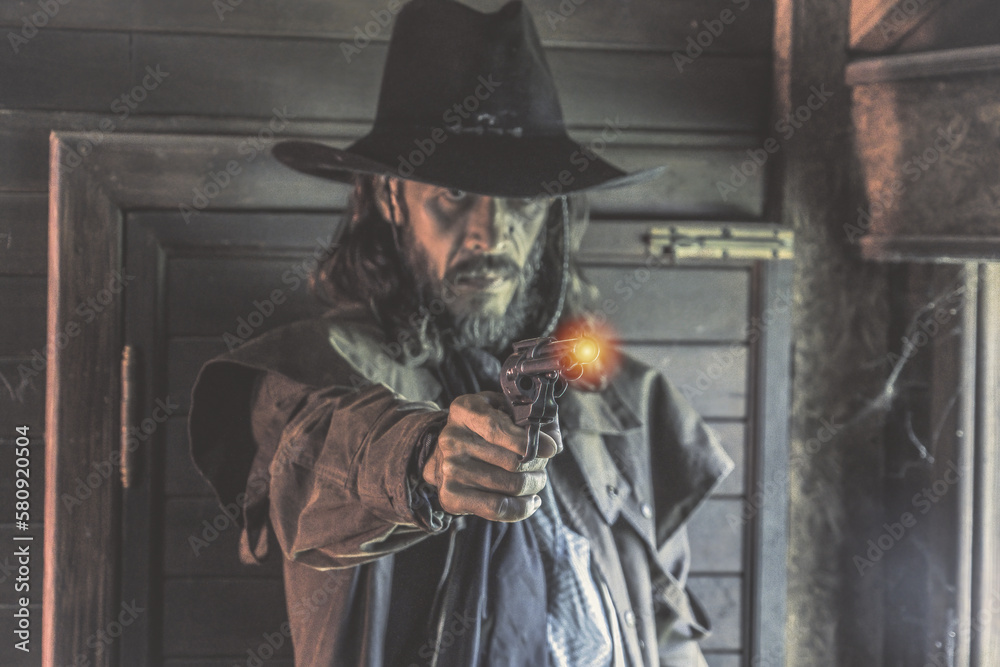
{"x": 364, "y": 264}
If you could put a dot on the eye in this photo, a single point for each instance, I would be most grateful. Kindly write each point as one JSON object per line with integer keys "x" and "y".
{"x": 454, "y": 194}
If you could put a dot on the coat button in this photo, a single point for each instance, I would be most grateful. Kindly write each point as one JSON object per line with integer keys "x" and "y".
{"x": 647, "y": 511}
{"x": 630, "y": 618}
{"x": 612, "y": 490}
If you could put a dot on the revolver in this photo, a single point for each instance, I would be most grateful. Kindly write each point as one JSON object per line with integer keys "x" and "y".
{"x": 536, "y": 374}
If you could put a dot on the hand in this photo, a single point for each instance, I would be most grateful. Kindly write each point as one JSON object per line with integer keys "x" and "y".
{"x": 475, "y": 464}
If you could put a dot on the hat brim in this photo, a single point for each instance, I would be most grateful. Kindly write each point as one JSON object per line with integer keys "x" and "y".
{"x": 491, "y": 165}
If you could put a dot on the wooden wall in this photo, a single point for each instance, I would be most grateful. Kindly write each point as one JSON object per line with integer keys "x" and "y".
{"x": 227, "y": 72}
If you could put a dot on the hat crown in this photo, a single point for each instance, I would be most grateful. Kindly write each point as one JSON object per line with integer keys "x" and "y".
{"x": 464, "y": 71}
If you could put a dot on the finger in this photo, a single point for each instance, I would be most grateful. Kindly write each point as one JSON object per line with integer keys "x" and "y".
{"x": 495, "y": 400}
{"x": 474, "y": 413}
{"x": 553, "y": 431}
{"x": 456, "y": 441}
{"x": 483, "y": 476}
{"x": 547, "y": 445}
{"x": 490, "y": 506}
{"x": 498, "y": 401}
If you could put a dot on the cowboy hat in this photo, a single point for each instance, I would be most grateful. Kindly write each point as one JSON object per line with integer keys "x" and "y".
{"x": 467, "y": 102}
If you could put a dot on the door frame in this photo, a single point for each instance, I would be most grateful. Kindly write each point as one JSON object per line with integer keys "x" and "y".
{"x": 95, "y": 178}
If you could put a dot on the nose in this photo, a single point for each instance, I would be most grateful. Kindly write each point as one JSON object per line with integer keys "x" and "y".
{"x": 484, "y": 226}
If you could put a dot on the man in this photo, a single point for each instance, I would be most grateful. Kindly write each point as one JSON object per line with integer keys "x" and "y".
{"x": 373, "y": 440}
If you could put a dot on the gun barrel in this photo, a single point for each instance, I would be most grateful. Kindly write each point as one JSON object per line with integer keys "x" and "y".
{"x": 560, "y": 355}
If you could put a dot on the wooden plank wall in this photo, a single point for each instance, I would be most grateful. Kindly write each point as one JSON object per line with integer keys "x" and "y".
{"x": 185, "y": 67}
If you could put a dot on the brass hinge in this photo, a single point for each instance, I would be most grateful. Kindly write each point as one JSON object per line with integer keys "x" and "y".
{"x": 128, "y": 408}
{"x": 747, "y": 240}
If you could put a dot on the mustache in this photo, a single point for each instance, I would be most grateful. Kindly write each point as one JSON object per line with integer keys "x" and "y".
{"x": 482, "y": 265}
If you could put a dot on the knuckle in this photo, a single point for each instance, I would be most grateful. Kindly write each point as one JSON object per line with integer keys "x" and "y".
{"x": 447, "y": 470}
{"x": 447, "y": 500}
{"x": 505, "y": 510}
{"x": 541, "y": 479}
{"x": 534, "y": 465}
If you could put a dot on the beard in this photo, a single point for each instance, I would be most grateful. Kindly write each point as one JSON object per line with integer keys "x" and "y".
{"x": 472, "y": 326}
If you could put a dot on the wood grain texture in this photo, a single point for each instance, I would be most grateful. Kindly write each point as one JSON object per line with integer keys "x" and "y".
{"x": 720, "y": 659}
{"x": 955, "y": 25}
{"x": 717, "y": 537}
{"x": 722, "y": 599}
{"x": 275, "y": 289}
{"x": 79, "y": 432}
{"x": 927, "y": 147}
{"x": 839, "y": 320}
{"x": 22, "y": 396}
{"x": 696, "y": 161}
{"x": 200, "y": 540}
{"x": 181, "y": 477}
{"x": 23, "y": 233}
{"x": 225, "y": 662}
{"x": 23, "y": 333}
{"x": 250, "y": 77}
{"x": 67, "y": 70}
{"x": 676, "y": 304}
{"x": 647, "y": 25}
{"x": 878, "y": 26}
{"x": 712, "y": 377}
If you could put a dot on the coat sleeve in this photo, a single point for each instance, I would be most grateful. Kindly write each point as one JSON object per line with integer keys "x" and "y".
{"x": 343, "y": 475}
{"x": 330, "y": 469}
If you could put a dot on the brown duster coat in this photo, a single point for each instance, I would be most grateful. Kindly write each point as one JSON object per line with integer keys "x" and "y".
{"x": 310, "y": 429}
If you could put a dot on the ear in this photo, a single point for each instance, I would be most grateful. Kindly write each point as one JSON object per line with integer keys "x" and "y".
{"x": 385, "y": 186}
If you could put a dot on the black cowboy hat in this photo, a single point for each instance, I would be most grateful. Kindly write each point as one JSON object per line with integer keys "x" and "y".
{"x": 467, "y": 102}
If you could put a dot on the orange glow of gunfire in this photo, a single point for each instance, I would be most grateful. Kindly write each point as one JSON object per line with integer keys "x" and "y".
{"x": 597, "y": 350}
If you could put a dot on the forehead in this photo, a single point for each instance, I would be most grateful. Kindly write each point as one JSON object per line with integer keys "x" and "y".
{"x": 419, "y": 190}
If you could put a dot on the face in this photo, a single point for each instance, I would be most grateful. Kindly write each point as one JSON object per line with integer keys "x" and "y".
{"x": 474, "y": 248}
